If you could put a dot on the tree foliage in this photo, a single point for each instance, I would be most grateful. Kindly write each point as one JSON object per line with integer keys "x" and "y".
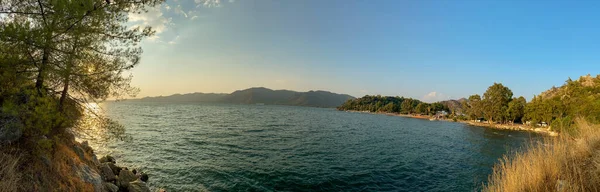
{"x": 495, "y": 102}
{"x": 55, "y": 56}
{"x": 516, "y": 109}
{"x": 474, "y": 107}
{"x": 380, "y": 103}
{"x": 559, "y": 107}
{"x": 392, "y": 105}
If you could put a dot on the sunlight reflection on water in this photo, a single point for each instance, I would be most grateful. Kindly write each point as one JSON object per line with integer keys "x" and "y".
{"x": 89, "y": 128}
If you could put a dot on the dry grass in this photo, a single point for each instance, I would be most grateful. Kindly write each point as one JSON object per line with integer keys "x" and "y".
{"x": 28, "y": 172}
{"x": 65, "y": 179}
{"x": 10, "y": 177}
{"x": 565, "y": 163}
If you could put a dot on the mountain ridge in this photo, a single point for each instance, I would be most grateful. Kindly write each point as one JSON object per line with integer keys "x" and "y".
{"x": 259, "y": 95}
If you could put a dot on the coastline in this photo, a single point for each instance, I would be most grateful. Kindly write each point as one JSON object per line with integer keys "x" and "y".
{"x": 516, "y": 127}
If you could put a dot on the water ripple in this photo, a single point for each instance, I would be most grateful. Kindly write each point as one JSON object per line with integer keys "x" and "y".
{"x": 217, "y": 147}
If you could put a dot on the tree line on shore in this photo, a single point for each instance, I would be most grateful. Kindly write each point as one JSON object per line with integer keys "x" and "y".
{"x": 388, "y": 104}
{"x": 557, "y": 107}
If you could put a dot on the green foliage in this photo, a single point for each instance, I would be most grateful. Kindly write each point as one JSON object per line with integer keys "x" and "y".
{"x": 560, "y": 106}
{"x": 390, "y": 108}
{"x": 474, "y": 107}
{"x": 437, "y": 106}
{"x": 495, "y": 102}
{"x": 57, "y": 55}
{"x": 408, "y": 106}
{"x": 392, "y": 105}
{"x": 380, "y": 104}
{"x": 516, "y": 109}
{"x": 43, "y": 146}
{"x": 422, "y": 108}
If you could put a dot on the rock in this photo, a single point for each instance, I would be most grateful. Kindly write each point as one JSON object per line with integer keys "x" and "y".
{"x": 107, "y": 172}
{"x": 79, "y": 152}
{"x": 144, "y": 177}
{"x": 110, "y": 187}
{"x": 11, "y": 128}
{"x": 138, "y": 186}
{"x": 86, "y": 146}
{"x": 95, "y": 159}
{"x": 161, "y": 190}
{"x": 90, "y": 176}
{"x": 126, "y": 176}
{"x": 107, "y": 158}
{"x": 134, "y": 172}
{"x": 116, "y": 169}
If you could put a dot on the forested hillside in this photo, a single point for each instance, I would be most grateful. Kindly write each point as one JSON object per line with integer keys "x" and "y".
{"x": 558, "y": 107}
{"x": 392, "y": 105}
{"x": 260, "y": 95}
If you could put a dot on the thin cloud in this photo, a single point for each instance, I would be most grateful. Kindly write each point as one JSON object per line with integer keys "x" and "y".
{"x": 178, "y": 10}
{"x": 154, "y": 18}
{"x": 434, "y": 96}
{"x": 209, "y": 3}
{"x": 174, "y": 41}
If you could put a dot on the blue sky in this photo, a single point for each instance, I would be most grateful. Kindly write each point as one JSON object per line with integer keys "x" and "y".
{"x": 430, "y": 50}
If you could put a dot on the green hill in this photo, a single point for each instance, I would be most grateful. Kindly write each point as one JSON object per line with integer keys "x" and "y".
{"x": 260, "y": 95}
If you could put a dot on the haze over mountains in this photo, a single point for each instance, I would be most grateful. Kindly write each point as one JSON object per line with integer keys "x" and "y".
{"x": 259, "y": 95}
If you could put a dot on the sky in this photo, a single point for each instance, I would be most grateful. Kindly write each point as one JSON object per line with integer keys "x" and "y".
{"x": 430, "y": 50}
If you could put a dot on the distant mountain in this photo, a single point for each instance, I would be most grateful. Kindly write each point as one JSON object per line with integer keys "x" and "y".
{"x": 260, "y": 95}
{"x": 454, "y": 105}
{"x": 190, "y": 97}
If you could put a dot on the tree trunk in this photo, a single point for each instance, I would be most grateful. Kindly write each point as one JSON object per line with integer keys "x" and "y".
{"x": 39, "y": 82}
{"x": 67, "y": 76}
{"x": 63, "y": 95}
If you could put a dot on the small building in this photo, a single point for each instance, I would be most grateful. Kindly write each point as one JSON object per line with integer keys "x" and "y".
{"x": 542, "y": 124}
{"x": 441, "y": 113}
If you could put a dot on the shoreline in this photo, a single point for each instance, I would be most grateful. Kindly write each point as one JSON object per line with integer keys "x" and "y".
{"x": 516, "y": 127}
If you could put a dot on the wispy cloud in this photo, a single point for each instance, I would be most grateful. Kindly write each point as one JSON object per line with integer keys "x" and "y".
{"x": 178, "y": 10}
{"x": 154, "y": 18}
{"x": 174, "y": 41}
{"x": 210, "y": 3}
{"x": 434, "y": 96}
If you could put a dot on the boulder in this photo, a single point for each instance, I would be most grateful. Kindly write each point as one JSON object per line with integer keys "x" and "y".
{"x": 95, "y": 159}
{"x": 110, "y": 187}
{"x": 138, "y": 186}
{"x": 79, "y": 152}
{"x": 107, "y": 158}
{"x": 116, "y": 169}
{"x": 126, "y": 176}
{"x": 11, "y": 128}
{"x": 86, "y": 146}
{"x": 144, "y": 177}
{"x": 90, "y": 176}
{"x": 107, "y": 172}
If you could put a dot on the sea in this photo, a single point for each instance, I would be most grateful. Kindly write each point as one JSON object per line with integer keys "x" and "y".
{"x": 231, "y": 147}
